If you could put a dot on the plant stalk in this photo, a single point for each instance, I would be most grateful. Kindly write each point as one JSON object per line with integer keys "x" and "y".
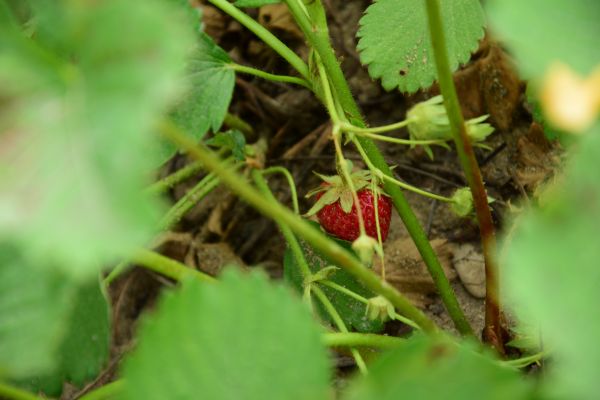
{"x": 352, "y": 339}
{"x": 271, "y": 77}
{"x": 266, "y": 36}
{"x": 14, "y": 393}
{"x": 167, "y": 266}
{"x": 493, "y": 329}
{"x": 176, "y": 177}
{"x": 318, "y": 38}
{"x": 107, "y": 391}
{"x": 282, "y": 215}
{"x": 339, "y": 322}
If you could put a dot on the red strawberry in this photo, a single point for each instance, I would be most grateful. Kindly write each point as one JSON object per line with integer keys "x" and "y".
{"x": 345, "y": 225}
{"x": 336, "y": 211}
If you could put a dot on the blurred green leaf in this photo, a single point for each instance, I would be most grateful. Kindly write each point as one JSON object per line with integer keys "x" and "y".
{"x": 232, "y": 140}
{"x": 255, "y": 3}
{"x": 76, "y": 132}
{"x": 211, "y": 83}
{"x": 35, "y": 303}
{"x": 539, "y": 32}
{"x": 437, "y": 368}
{"x": 242, "y": 337}
{"x": 193, "y": 15}
{"x": 352, "y": 311}
{"x": 85, "y": 346}
{"x": 552, "y": 274}
{"x": 396, "y": 45}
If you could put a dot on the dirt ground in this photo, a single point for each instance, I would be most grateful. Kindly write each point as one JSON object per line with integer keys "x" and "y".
{"x": 223, "y": 230}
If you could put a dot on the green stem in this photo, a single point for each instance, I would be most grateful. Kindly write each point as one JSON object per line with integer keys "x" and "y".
{"x": 187, "y": 202}
{"x": 105, "y": 392}
{"x": 283, "y": 171}
{"x": 180, "y": 175}
{"x": 271, "y": 77}
{"x": 339, "y": 322}
{"x": 285, "y": 230}
{"x": 364, "y": 300}
{"x": 321, "y": 43}
{"x": 493, "y": 329}
{"x": 352, "y": 339}
{"x": 525, "y": 361}
{"x": 266, "y": 36}
{"x": 317, "y": 36}
{"x": 167, "y": 266}
{"x": 235, "y": 122}
{"x": 14, "y": 393}
{"x": 377, "y": 172}
{"x": 377, "y": 129}
{"x": 344, "y": 290}
{"x": 282, "y": 215}
{"x": 390, "y": 139}
{"x": 301, "y": 261}
{"x": 117, "y": 271}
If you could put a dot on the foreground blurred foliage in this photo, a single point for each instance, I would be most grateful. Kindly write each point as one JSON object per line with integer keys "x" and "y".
{"x": 81, "y": 100}
{"x": 82, "y": 84}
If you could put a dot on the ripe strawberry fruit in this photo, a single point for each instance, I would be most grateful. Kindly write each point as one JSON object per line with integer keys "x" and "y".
{"x": 345, "y": 225}
{"x": 336, "y": 211}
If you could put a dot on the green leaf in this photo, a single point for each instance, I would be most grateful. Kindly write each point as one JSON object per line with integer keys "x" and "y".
{"x": 243, "y": 337}
{"x": 35, "y": 303}
{"x": 193, "y": 15}
{"x": 353, "y": 312}
{"x": 85, "y": 348}
{"x": 396, "y": 45}
{"x": 437, "y": 368}
{"x": 255, "y": 3}
{"x": 540, "y": 34}
{"x": 211, "y": 83}
{"x": 551, "y": 273}
{"x": 232, "y": 140}
{"x": 76, "y": 134}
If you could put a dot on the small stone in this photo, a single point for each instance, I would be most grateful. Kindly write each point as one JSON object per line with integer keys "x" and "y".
{"x": 470, "y": 267}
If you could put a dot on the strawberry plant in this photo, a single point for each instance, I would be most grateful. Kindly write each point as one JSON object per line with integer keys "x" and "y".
{"x": 109, "y": 108}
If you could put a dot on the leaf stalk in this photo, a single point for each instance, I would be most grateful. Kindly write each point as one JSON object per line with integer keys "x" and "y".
{"x": 493, "y": 329}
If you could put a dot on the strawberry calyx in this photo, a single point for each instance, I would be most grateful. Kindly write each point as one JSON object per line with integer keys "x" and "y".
{"x": 334, "y": 189}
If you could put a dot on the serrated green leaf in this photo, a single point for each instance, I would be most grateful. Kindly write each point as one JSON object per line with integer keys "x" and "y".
{"x": 242, "y": 338}
{"x": 352, "y": 311}
{"x": 84, "y": 348}
{"x": 232, "y": 140}
{"x": 551, "y": 273}
{"x": 255, "y": 3}
{"x": 75, "y": 135}
{"x": 211, "y": 82}
{"x": 34, "y": 305}
{"x": 396, "y": 45}
{"x": 436, "y": 368}
{"x": 540, "y": 33}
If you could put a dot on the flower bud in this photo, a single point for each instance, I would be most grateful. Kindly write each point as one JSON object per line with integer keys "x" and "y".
{"x": 428, "y": 120}
{"x": 462, "y": 202}
{"x": 379, "y": 308}
{"x": 365, "y": 246}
